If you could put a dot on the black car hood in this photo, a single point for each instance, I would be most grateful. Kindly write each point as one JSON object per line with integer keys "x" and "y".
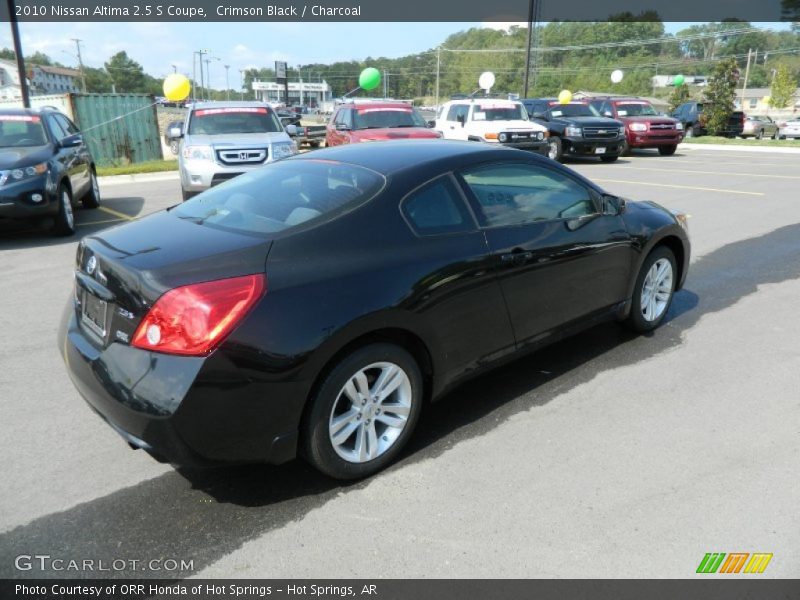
{"x": 24, "y": 156}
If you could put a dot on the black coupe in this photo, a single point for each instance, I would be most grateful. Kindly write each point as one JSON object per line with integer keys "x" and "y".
{"x": 314, "y": 305}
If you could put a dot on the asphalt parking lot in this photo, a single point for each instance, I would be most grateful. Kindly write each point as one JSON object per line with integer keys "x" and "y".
{"x": 606, "y": 455}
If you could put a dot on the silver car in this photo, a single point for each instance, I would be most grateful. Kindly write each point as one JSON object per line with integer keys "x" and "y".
{"x": 224, "y": 139}
{"x": 759, "y": 127}
{"x": 789, "y": 129}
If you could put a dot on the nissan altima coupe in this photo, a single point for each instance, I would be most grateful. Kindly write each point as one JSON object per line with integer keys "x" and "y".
{"x": 313, "y": 306}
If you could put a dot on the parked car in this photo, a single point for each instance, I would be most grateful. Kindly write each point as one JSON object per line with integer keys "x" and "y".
{"x": 759, "y": 127}
{"x": 224, "y": 139}
{"x": 577, "y": 129}
{"x": 644, "y": 127}
{"x": 45, "y": 168}
{"x": 789, "y": 129}
{"x": 173, "y": 134}
{"x": 375, "y": 121}
{"x": 691, "y": 114}
{"x": 288, "y": 117}
{"x": 490, "y": 120}
{"x": 315, "y": 304}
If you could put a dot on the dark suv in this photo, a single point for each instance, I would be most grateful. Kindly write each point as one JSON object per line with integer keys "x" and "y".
{"x": 45, "y": 167}
{"x": 694, "y": 122}
{"x": 578, "y": 129}
{"x": 644, "y": 127}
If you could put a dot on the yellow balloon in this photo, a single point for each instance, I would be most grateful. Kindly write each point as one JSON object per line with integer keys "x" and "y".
{"x": 766, "y": 99}
{"x": 565, "y": 97}
{"x": 176, "y": 87}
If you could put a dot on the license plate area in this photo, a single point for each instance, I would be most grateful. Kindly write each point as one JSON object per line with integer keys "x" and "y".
{"x": 93, "y": 313}
{"x": 600, "y": 150}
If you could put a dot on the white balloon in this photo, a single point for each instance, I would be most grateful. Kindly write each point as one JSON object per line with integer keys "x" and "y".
{"x": 486, "y": 80}
{"x": 616, "y": 76}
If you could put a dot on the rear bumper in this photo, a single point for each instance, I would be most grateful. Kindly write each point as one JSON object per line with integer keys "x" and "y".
{"x": 188, "y": 411}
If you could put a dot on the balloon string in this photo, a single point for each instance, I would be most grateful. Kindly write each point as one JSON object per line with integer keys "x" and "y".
{"x": 119, "y": 118}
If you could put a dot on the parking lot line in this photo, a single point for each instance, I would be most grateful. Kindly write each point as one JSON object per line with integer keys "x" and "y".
{"x": 680, "y": 187}
{"x": 709, "y": 172}
{"x": 116, "y": 213}
{"x": 689, "y": 161}
{"x": 103, "y": 222}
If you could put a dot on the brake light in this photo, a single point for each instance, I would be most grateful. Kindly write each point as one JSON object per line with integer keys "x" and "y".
{"x": 194, "y": 319}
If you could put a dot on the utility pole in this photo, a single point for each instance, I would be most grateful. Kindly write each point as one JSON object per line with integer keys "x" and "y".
{"x": 438, "y": 64}
{"x": 384, "y": 84}
{"x": 531, "y": 23}
{"x": 227, "y": 83}
{"x": 174, "y": 68}
{"x": 80, "y": 63}
{"x": 746, "y": 75}
{"x": 241, "y": 83}
{"x": 23, "y": 80}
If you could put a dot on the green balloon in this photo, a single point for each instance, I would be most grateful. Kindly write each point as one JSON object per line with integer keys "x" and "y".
{"x": 369, "y": 79}
{"x": 678, "y": 80}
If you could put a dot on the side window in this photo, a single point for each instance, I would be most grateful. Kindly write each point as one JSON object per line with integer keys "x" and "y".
{"x": 515, "y": 194}
{"x": 347, "y": 117}
{"x": 457, "y": 110}
{"x": 67, "y": 125}
{"x": 56, "y": 128}
{"x": 437, "y": 208}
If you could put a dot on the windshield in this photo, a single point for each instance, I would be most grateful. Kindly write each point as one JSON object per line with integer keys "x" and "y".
{"x": 636, "y": 110}
{"x": 499, "y": 111}
{"x": 378, "y": 118}
{"x": 21, "y": 130}
{"x": 281, "y": 195}
{"x": 216, "y": 121}
{"x": 573, "y": 110}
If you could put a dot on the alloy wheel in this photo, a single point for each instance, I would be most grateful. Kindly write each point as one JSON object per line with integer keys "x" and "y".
{"x": 66, "y": 203}
{"x": 656, "y": 290}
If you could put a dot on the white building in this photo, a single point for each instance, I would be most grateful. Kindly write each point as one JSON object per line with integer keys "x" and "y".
{"x": 53, "y": 80}
{"x": 9, "y": 80}
{"x": 300, "y": 92}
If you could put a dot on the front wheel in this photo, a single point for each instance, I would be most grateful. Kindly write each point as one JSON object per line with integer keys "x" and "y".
{"x": 65, "y": 219}
{"x": 667, "y": 150}
{"x": 555, "y": 149}
{"x": 654, "y": 289}
{"x": 609, "y": 159}
{"x": 363, "y": 413}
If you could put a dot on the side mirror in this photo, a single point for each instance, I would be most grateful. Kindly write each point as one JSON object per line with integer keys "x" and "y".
{"x": 291, "y": 130}
{"x": 175, "y": 132}
{"x": 431, "y": 124}
{"x": 613, "y": 205}
{"x": 608, "y": 113}
{"x": 71, "y": 141}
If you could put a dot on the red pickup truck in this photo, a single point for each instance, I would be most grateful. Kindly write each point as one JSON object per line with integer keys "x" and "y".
{"x": 373, "y": 121}
{"x": 644, "y": 127}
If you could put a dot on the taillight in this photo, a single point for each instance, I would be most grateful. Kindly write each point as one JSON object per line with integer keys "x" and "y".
{"x": 194, "y": 319}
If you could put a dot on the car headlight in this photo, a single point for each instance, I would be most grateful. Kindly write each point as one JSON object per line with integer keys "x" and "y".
{"x": 283, "y": 150}
{"x": 573, "y": 131}
{"x": 679, "y": 126}
{"x": 22, "y": 173}
{"x": 198, "y": 153}
{"x": 638, "y": 127}
{"x": 682, "y": 218}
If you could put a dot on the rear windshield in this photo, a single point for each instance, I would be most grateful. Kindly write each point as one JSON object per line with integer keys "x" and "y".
{"x": 217, "y": 121}
{"x": 636, "y": 109}
{"x": 21, "y": 130}
{"x": 573, "y": 110}
{"x": 499, "y": 111}
{"x": 281, "y": 195}
{"x": 378, "y": 118}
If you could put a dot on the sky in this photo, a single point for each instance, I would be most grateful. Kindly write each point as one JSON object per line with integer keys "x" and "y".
{"x": 158, "y": 46}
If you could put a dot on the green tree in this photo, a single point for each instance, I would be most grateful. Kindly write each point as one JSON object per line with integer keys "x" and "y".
{"x": 720, "y": 95}
{"x": 783, "y": 87}
{"x": 126, "y": 74}
{"x": 679, "y": 95}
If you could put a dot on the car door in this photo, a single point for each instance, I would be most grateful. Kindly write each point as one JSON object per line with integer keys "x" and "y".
{"x": 558, "y": 257}
{"x": 75, "y": 159}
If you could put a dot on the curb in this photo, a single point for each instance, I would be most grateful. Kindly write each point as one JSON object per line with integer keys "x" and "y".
{"x": 736, "y": 148}
{"x": 138, "y": 178}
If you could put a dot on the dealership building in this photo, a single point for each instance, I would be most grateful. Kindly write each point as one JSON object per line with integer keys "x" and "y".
{"x": 300, "y": 92}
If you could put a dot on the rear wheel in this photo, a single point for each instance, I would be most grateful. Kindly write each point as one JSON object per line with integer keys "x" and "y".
{"x": 760, "y": 135}
{"x": 690, "y": 131}
{"x": 363, "y": 413}
{"x": 626, "y": 149}
{"x": 92, "y": 197}
{"x": 667, "y": 150}
{"x": 65, "y": 219}
{"x": 555, "y": 149}
{"x": 654, "y": 289}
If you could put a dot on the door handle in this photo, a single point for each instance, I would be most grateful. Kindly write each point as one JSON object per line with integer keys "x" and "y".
{"x": 516, "y": 256}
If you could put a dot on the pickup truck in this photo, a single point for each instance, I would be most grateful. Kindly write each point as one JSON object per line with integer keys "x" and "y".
{"x": 313, "y": 135}
{"x": 577, "y": 129}
{"x": 644, "y": 127}
{"x": 694, "y": 122}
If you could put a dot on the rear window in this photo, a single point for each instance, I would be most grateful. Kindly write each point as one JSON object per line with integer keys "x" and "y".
{"x": 219, "y": 121}
{"x": 573, "y": 110}
{"x": 379, "y": 118}
{"x": 635, "y": 109}
{"x": 282, "y": 195}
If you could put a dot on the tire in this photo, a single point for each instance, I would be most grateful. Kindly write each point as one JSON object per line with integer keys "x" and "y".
{"x": 690, "y": 131}
{"x": 327, "y": 413}
{"x": 760, "y": 135}
{"x": 174, "y": 146}
{"x": 667, "y": 150}
{"x": 65, "y": 219}
{"x": 187, "y": 195}
{"x": 626, "y": 149}
{"x": 555, "y": 149}
{"x": 639, "y": 319}
{"x": 91, "y": 199}
{"x": 609, "y": 159}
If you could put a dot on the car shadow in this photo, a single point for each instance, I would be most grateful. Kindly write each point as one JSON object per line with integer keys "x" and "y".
{"x": 18, "y": 235}
{"x": 205, "y": 514}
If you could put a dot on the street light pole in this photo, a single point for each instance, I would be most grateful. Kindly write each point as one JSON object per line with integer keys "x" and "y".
{"x": 241, "y": 83}
{"x": 531, "y": 24}
{"x": 23, "y": 80}
{"x": 227, "y": 83}
{"x": 438, "y": 64}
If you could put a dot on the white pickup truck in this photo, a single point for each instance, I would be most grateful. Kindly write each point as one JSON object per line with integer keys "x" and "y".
{"x": 490, "y": 120}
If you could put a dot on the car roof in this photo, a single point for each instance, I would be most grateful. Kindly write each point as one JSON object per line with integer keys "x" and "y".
{"x": 376, "y": 104}
{"x": 395, "y": 156}
{"x": 582, "y": 101}
{"x": 230, "y": 104}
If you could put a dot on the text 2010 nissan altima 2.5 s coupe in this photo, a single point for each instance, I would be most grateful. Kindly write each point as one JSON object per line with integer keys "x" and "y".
{"x": 314, "y": 305}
